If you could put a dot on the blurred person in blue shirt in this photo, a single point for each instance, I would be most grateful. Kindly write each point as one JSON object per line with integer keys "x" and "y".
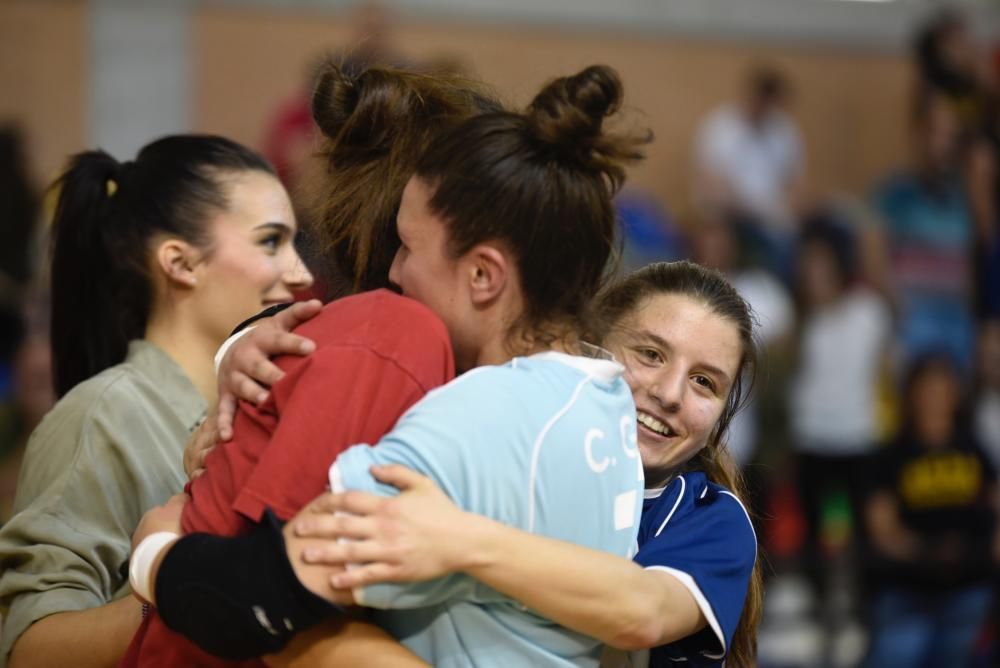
{"x": 929, "y": 235}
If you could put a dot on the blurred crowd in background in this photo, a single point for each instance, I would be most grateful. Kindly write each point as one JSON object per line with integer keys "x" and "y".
{"x": 873, "y": 439}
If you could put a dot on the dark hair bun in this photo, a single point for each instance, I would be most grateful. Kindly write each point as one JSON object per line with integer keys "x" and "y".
{"x": 371, "y": 112}
{"x": 335, "y": 97}
{"x": 573, "y": 108}
{"x": 569, "y": 114}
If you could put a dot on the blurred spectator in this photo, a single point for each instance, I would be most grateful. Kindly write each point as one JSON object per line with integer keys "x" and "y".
{"x": 983, "y": 183}
{"x": 649, "y": 232}
{"x": 953, "y": 65}
{"x": 845, "y": 333}
{"x": 31, "y": 393}
{"x": 714, "y": 244}
{"x": 18, "y": 216}
{"x": 25, "y": 374}
{"x": 289, "y": 137}
{"x": 950, "y": 62}
{"x": 929, "y": 237}
{"x": 932, "y": 524}
{"x": 987, "y": 407}
{"x": 32, "y": 398}
{"x": 750, "y": 163}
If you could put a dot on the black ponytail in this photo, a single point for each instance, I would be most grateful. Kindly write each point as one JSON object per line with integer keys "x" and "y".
{"x": 106, "y": 216}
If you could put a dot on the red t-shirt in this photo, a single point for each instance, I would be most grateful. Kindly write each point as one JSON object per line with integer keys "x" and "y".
{"x": 377, "y": 353}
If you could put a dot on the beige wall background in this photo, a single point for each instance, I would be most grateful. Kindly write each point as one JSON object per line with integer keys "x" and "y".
{"x": 850, "y": 103}
{"x": 43, "y": 47}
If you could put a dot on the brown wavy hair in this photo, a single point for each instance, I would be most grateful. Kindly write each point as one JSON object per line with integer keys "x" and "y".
{"x": 374, "y": 127}
{"x": 710, "y": 288}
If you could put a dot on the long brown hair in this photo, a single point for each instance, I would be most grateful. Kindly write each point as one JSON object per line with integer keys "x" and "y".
{"x": 542, "y": 183}
{"x": 375, "y": 125}
{"x": 711, "y": 289}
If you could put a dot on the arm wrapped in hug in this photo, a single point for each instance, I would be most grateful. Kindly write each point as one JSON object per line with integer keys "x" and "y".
{"x": 236, "y": 598}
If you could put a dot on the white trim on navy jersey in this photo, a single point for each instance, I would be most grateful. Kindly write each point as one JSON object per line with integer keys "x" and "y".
{"x": 680, "y": 497}
{"x": 703, "y": 604}
{"x": 744, "y": 509}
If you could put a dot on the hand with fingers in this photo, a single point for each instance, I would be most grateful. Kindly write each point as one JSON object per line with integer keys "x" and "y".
{"x": 161, "y": 518}
{"x": 202, "y": 442}
{"x": 246, "y": 370}
{"x": 418, "y": 535}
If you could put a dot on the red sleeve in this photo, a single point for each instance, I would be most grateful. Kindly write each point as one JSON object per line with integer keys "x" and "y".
{"x": 378, "y": 354}
{"x": 226, "y": 469}
{"x": 347, "y": 395}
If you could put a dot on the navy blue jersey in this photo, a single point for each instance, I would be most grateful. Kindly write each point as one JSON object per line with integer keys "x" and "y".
{"x": 700, "y": 533}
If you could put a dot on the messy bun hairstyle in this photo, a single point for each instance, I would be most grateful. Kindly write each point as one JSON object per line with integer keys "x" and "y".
{"x": 374, "y": 126}
{"x": 542, "y": 183}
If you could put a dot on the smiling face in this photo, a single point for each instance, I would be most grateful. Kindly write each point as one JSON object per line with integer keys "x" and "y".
{"x": 681, "y": 359}
{"x": 252, "y": 262}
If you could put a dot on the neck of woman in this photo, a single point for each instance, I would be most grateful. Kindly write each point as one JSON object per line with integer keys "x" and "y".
{"x": 558, "y": 336}
{"x": 189, "y": 348}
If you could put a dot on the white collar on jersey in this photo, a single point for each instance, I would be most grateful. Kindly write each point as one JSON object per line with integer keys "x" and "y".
{"x": 595, "y": 361}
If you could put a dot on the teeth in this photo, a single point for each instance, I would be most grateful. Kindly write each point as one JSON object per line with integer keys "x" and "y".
{"x": 652, "y": 423}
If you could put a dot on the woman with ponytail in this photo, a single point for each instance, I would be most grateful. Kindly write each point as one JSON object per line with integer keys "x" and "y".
{"x": 154, "y": 262}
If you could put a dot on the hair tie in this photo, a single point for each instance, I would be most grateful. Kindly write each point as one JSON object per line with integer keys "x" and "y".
{"x": 114, "y": 181}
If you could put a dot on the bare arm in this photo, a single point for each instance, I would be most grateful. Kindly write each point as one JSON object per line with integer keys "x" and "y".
{"x": 888, "y": 534}
{"x": 604, "y": 596}
{"x": 85, "y": 638}
{"x": 421, "y": 535}
{"x": 979, "y": 179}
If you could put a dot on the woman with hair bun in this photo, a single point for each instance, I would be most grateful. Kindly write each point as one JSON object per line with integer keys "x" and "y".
{"x": 506, "y": 228}
{"x": 693, "y": 592}
{"x": 154, "y": 262}
{"x": 377, "y": 353}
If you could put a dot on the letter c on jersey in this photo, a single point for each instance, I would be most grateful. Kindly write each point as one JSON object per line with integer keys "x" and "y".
{"x": 588, "y": 451}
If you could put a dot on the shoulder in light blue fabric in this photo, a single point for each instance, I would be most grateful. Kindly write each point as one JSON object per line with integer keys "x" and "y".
{"x": 545, "y": 443}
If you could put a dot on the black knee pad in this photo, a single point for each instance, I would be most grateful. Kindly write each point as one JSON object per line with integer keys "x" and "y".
{"x": 236, "y": 598}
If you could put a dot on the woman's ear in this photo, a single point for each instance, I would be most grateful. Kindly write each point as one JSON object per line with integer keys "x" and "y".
{"x": 489, "y": 272}
{"x": 177, "y": 260}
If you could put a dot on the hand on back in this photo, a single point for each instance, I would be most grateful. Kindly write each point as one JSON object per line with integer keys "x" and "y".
{"x": 246, "y": 370}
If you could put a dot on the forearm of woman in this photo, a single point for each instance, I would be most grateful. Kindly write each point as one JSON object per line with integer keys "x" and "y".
{"x": 607, "y": 597}
{"x": 887, "y": 532}
{"x": 345, "y": 642}
{"x": 86, "y": 638}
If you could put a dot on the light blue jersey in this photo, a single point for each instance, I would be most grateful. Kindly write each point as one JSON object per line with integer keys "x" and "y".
{"x": 546, "y": 444}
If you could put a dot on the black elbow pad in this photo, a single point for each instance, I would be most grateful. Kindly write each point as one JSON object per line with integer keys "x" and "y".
{"x": 236, "y": 598}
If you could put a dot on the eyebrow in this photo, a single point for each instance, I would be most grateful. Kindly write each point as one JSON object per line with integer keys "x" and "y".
{"x": 661, "y": 342}
{"x": 284, "y": 227}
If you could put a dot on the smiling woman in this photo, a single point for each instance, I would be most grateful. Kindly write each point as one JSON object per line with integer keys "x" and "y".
{"x": 252, "y": 263}
{"x": 680, "y": 383}
{"x": 154, "y": 262}
{"x": 693, "y": 591}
